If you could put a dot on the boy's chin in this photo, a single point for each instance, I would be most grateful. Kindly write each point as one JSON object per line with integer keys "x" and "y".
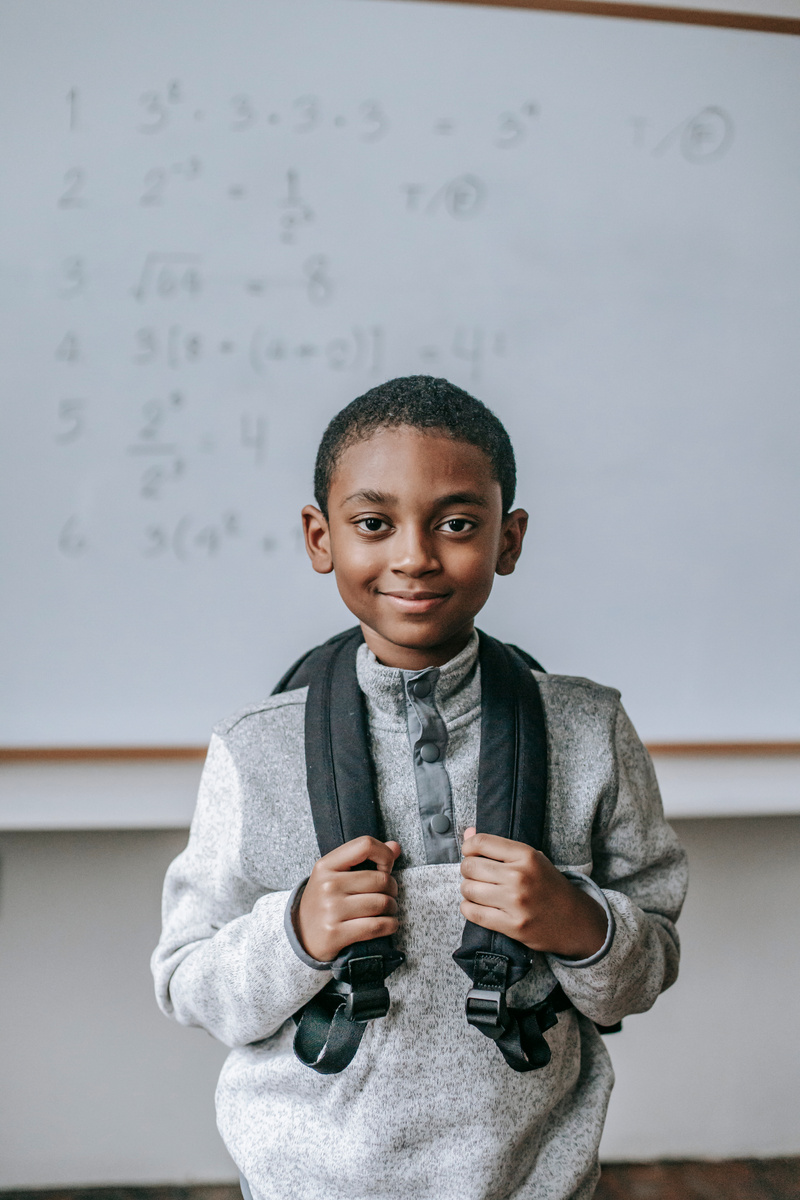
{"x": 415, "y": 633}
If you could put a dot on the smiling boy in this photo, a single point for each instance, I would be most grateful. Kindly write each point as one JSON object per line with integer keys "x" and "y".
{"x": 414, "y": 486}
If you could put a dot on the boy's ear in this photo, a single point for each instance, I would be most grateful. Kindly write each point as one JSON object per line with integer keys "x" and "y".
{"x": 511, "y": 539}
{"x": 318, "y": 539}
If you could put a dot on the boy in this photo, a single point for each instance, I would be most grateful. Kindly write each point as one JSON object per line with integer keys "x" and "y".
{"x": 414, "y": 485}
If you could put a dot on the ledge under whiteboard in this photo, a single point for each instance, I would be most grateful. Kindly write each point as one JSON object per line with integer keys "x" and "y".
{"x": 107, "y": 794}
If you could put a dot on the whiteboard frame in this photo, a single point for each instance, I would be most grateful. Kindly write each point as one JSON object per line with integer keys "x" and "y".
{"x": 32, "y": 754}
{"x": 760, "y": 22}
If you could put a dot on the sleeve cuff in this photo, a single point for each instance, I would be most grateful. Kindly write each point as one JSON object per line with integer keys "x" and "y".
{"x": 289, "y": 913}
{"x": 590, "y": 887}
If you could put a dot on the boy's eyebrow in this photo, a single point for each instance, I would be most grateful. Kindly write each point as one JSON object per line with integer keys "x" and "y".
{"x": 463, "y": 498}
{"x": 367, "y": 496}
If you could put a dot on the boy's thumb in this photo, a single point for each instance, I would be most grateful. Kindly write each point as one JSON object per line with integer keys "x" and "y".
{"x": 469, "y": 832}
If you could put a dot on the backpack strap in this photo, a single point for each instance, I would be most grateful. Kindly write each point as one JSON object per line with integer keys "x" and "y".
{"x": 512, "y": 801}
{"x": 301, "y": 671}
{"x": 533, "y": 663}
{"x": 341, "y": 789}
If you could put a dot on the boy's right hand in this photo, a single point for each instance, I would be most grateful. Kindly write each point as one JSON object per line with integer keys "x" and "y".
{"x": 340, "y": 906}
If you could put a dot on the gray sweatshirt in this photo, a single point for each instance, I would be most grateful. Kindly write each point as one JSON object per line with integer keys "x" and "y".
{"x": 428, "y": 1109}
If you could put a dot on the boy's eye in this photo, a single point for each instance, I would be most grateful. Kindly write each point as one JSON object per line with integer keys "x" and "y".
{"x": 371, "y": 524}
{"x": 457, "y": 525}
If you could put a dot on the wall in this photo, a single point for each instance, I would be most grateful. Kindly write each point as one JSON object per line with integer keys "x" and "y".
{"x": 97, "y": 1087}
{"x": 714, "y": 1070}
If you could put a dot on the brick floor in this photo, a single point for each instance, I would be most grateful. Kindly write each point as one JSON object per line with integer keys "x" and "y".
{"x": 738, "y": 1179}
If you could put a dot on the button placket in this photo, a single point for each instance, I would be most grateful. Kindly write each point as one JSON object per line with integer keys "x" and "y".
{"x": 428, "y": 738}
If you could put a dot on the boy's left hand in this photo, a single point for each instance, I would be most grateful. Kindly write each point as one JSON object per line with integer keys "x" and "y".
{"x": 514, "y": 889}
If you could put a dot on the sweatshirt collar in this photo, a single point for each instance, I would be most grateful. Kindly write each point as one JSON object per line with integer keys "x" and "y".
{"x": 456, "y": 685}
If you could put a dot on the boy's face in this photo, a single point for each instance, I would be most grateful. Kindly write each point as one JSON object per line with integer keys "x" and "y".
{"x": 415, "y": 534}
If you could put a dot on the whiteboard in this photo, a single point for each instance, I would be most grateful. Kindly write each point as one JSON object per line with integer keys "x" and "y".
{"x": 223, "y": 221}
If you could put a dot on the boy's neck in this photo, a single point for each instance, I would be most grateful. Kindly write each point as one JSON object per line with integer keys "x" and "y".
{"x": 415, "y": 658}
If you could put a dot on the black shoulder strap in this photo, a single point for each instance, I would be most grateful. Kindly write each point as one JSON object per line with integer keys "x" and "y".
{"x": 512, "y": 801}
{"x": 301, "y": 671}
{"x": 341, "y": 789}
{"x": 338, "y": 761}
{"x": 512, "y": 769}
{"x": 493, "y": 961}
{"x": 512, "y": 780}
{"x": 532, "y": 662}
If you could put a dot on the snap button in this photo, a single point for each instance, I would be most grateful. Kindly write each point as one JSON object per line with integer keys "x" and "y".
{"x": 428, "y": 752}
{"x": 422, "y": 688}
{"x": 440, "y": 823}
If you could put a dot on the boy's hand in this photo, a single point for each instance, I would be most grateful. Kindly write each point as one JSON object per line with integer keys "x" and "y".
{"x": 514, "y": 889}
{"x": 340, "y": 906}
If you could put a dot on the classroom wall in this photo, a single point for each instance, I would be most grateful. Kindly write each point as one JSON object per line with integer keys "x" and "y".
{"x": 98, "y": 1088}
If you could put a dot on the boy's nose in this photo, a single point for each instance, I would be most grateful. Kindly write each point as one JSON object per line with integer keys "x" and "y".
{"x": 414, "y": 554}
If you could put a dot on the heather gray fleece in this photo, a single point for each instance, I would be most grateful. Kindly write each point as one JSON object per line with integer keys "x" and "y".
{"x": 428, "y": 1108}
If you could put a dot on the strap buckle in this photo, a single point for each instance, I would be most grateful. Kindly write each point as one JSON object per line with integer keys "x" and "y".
{"x": 366, "y": 995}
{"x": 367, "y": 1004}
{"x": 486, "y": 1010}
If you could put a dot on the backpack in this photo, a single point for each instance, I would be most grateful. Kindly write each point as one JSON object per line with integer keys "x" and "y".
{"x": 512, "y": 797}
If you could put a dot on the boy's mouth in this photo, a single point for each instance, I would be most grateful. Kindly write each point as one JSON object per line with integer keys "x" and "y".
{"x": 416, "y": 602}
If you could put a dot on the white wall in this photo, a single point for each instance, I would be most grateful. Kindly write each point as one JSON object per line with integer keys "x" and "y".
{"x": 713, "y": 1071}
{"x": 98, "y": 1088}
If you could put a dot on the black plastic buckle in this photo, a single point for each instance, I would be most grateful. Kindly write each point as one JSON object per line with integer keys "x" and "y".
{"x": 366, "y": 995}
{"x": 366, "y": 1004}
{"x": 486, "y": 1010}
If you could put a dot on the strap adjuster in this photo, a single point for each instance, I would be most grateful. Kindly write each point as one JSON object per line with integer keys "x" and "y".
{"x": 366, "y": 1004}
{"x": 366, "y": 995}
{"x": 486, "y": 1010}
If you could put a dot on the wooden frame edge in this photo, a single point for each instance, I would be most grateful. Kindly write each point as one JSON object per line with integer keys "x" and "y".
{"x": 760, "y": 22}
{"x": 23, "y": 754}
{"x": 65, "y": 754}
{"x": 724, "y": 749}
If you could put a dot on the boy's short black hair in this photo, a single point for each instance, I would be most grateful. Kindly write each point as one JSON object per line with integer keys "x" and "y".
{"x": 421, "y": 402}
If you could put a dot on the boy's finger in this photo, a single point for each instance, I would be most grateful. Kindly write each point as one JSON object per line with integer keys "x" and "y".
{"x": 488, "y": 895}
{"x": 488, "y": 845}
{"x": 363, "y": 849}
{"x": 365, "y": 928}
{"x": 355, "y": 883}
{"x": 487, "y": 918}
{"x": 371, "y": 904}
{"x": 487, "y": 870}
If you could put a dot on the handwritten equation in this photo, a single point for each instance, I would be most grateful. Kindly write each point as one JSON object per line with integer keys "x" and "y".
{"x": 170, "y": 107}
{"x": 190, "y": 538}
